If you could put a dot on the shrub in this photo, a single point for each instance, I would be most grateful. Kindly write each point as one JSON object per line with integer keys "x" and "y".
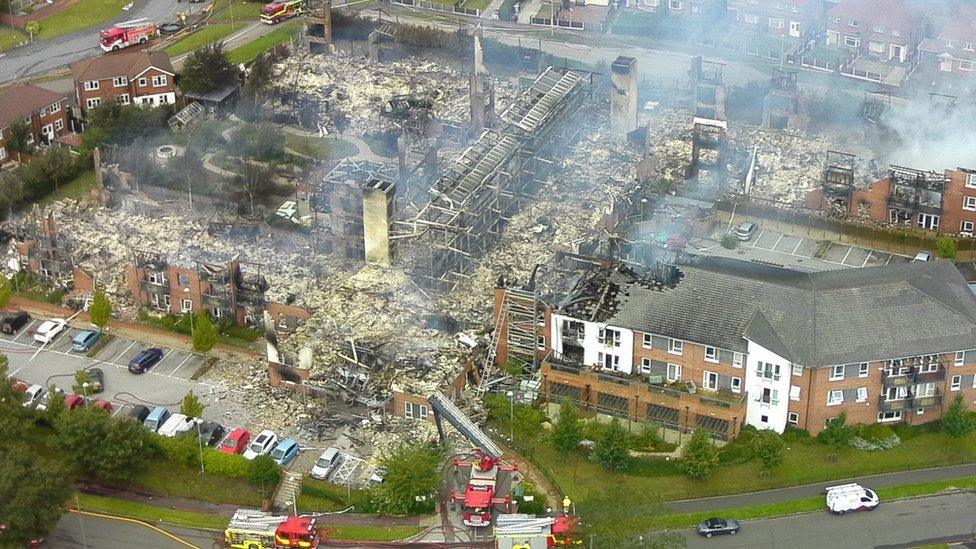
{"x": 698, "y": 456}
{"x": 611, "y": 450}
{"x": 769, "y": 448}
{"x": 729, "y": 241}
{"x": 795, "y": 434}
{"x": 837, "y": 432}
{"x": 945, "y": 247}
{"x": 957, "y": 421}
{"x": 226, "y": 465}
{"x": 566, "y": 432}
{"x": 183, "y": 450}
{"x": 264, "y": 470}
{"x": 875, "y": 432}
{"x": 874, "y": 445}
{"x": 538, "y": 504}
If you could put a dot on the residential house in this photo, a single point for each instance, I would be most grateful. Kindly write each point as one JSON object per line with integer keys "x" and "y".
{"x": 136, "y": 78}
{"x": 885, "y": 30}
{"x": 788, "y": 18}
{"x": 720, "y": 343}
{"x": 43, "y": 111}
{"x": 693, "y": 10}
{"x": 953, "y": 49}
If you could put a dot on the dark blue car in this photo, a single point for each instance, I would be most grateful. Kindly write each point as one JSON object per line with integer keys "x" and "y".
{"x": 145, "y": 360}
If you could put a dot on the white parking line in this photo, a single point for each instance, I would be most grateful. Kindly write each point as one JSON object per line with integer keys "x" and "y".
{"x": 758, "y": 236}
{"x": 797, "y": 246}
{"x": 25, "y": 329}
{"x": 849, "y": 250}
{"x": 188, "y": 357}
{"x": 867, "y": 258}
{"x": 778, "y": 240}
{"x": 123, "y": 352}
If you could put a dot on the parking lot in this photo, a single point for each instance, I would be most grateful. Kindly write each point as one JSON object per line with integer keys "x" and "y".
{"x": 796, "y": 252}
{"x": 165, "y": 384}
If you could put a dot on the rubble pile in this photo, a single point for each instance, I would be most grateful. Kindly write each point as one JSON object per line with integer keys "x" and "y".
{"x": 360, "y": 89}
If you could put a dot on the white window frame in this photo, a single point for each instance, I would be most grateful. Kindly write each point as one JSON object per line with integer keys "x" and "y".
{"x": 837, "y": 372}
{"x": 751, "y": 18}
{"x": 901, "y": 393}
{"x": 58, "y": 125}
{"x": 852, "y": 41}
{"x": 797, "y": 370}
{"x": 775, "y": 23}
{"x": 3, "y": 153}
{"x": 736, "y": 384}
{"x": 969, "y": 203}
{"x": 540, "y": 343}
{"x": 895, "y": 32}
{"x": 876, "y": 47}
{"x": 835, "y": 397}
{"x": 93, "y": 102}
{"x": 646, "y": 341}
{"x": 610, "y": 337}
{"x": 711, "y": 354}
{"x": 862, "y": 394}
{"x": 853, "y": 23}
{"x": 768, "y": 370}
{"x": 91, "y": 85}
{"x": 614, "y": 361}
{"x": 969, "y": 46}
{"x": 923, "y": 390}
{"x": 122, "y": 99}
{"x": 154, "y": 300}
{"x": 956, "y": 383}
{"x": 120, "y": 81}
{"x": 645, "y": 365}
{"x": 965, "y": 65}
{"x": 55, "y": 107}
{"x": 960, "y": 359}
{"x": 143, "y": 82}
{"x": 408, "y": 410}
{"x": 878, "y": 28}
{"x": 929, "y": 367}
{"x": 186, "y": 305}
{"x": 967, "y": 227}
{"x": 793, "y": 419}
{"x": 167, "y": 301}
{"x": 863, "y": 370}
{"x": 676, "y": 346}
{"x": 675, "y": 5}
{"x": 737, "y": 360}
{"x": 971, "y": 180}
{"x": 795, "y": 392}
{"x": 216, "y": 312}
{"x": 159, "y": 80}
{"x": 888, "y": 417}
{"x": 676, "y": 369}
{"x": 706, "y": 383}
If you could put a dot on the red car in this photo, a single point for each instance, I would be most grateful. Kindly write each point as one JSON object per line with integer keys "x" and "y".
{"x": 236, "y": 441}
{"x": 103, "y": 405}
{"x": 73, "y": 402}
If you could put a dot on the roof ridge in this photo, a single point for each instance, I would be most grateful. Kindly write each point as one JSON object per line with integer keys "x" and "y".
{"x": 911, "y": 284}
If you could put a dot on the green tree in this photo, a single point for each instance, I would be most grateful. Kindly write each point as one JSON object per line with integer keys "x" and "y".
{"x": 78, "y": 387}
{"x": 207, "y": 69}
{"x": 12, "y": 191}
{"x": 259, "y": 76}
{"x": 100, "y": 309}
{"x": 411, "y": 482}
{"x": 945, "y": 247}
{"x": 957, "y": 421}
{"x": 33, "y": 490}
{"x": 20, "y": 138}
{"x": 191, "y": 406}
{"x": 204, "y": 334}
{"x": 102, "y": 447}
{"x": 265, "y": 471}
{"x": 48, "y": 172}
{"x": 566, "y": 433}
{"x": 612, "y": 451}
{"x": 13, "y": 416}
{"x": 32, "y": 28}
{"x": 123, "y": 124}
{"x": 699, "y": 456}
{"x": 55, "y": 406}
{"x": 254, "y": 181}
{"x": 258, "y": 142}
{"x": 769, "y": 447}
{"x": 837, "y": 433}
{"x": 6, "y": 290}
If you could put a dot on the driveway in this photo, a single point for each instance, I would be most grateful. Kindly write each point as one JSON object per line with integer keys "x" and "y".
{"x": 905, "y": 523}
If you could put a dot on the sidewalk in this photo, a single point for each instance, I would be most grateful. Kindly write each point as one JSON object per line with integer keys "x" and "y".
{"x": 812, "y": 490}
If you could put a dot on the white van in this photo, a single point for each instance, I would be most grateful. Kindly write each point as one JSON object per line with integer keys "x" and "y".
{"x": 850, "y": 497}
{"x": 176, "y": 425}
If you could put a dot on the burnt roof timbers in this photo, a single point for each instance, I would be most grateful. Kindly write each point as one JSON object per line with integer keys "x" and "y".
{"x": 914, "y": 192}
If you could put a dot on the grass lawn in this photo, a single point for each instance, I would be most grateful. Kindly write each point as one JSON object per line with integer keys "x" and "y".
{"x": 240, "y": 11}
{"x": 168, "y": 479}
{"x": 76, "y": 188}
{"x": 149, "y": 513}
{"x": 476, "y": 4}
{"x": 81, "y": 15}
{"x": 10, "y": 38}
{"x": 368, "y": 533}
{"x": 202, "y": 37}
{"x": 545, "y": 12}
{"x": 247, "y": 52}
{"x": 320, "y": 148}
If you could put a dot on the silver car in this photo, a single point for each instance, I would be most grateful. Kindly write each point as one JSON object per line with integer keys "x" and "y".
{"x": 745, "y": 230}
{"x": 716, "y": 525}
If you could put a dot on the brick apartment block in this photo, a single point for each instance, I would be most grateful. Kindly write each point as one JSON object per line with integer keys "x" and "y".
{"x": 886, "y": 30}
{"x": 45, "y": 112}
{"x": 720, "y": 343}
{"x": 136, "y": 78}
{"x": 792, "y": 18}
{"x": 693, "y": 10}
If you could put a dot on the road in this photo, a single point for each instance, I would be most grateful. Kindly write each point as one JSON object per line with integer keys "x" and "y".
{"x": 74, "y": 530}
{"x": 53, "y": 54}
{"x": 905, "y": 523}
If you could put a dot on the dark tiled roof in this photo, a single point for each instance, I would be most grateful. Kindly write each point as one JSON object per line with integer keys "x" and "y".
{"x": 21, "y": 100}
{"x": 892, "y": 14}
{"x": 127, "y": 64}
{"x": 813, "y": 319}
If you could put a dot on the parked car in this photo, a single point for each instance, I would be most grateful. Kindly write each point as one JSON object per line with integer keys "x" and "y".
{"x": 19, "y": 386}
{"x": 324, "y": 465}
{"x": 176, "y": 425}
{"x": 13, "y": 322}
{"x": 58, "y": 393}
{"x": 85, "y": 340}
{"x": 96, "y": 380}
{"x": 715, "y": 525}
{"x": 74, "y": 402}
{"x": 850, "y": 497}
{"x": 35, "y": 394}
{"x": 745, "y": 230}
{"x": 102, "y": 405}
{"x": 49, "y": 329}
{"x": 285, "y": 452}
{"x": 262, "y": 445}
{"x": 139, "y": 413}
{"x": 145, "y": 360}
{"x": 236, "y": 441}
{"x": 211, "y": 433}
{"x": 156, "y": 418}
{"x": 922, "y": 255}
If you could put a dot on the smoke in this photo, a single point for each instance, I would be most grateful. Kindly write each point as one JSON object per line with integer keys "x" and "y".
{"x": 932, "y": 136}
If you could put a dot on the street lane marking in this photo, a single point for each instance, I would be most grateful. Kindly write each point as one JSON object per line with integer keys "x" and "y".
{"x": 134, "y": 521}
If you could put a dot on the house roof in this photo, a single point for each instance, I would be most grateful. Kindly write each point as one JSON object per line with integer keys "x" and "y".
{"x": 813, "y": 319}
{"x": 23, "y": 99}
{"x": 128, "y": 64}
{"x": 961, "y": 27}
{"x": 892, "y": 14}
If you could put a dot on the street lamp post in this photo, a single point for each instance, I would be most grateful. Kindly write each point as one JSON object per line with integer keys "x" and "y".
{"x": 84, "y": 389}
{"x": 511, "y": 401}
{"x": 199, "y": 421}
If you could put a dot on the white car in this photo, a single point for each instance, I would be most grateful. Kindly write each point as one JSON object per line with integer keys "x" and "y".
{"x": 49, "y": 330}
{"x": 48, "y": 397}
{"x": 850, "y": 497}
{"x": 262, "y": 445}
{"x": 326, "y": 462}
{"x": 176, "y": 425}
{"x": 34, "y": 395}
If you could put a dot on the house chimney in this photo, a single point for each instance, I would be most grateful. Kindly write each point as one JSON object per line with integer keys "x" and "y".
{"x": 623, "y": 99}
{"x": 379, "y": 201}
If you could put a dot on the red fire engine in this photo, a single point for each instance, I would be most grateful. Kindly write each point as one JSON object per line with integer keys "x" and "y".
{"x": 126, "y": 34}
{"x": 479, "y": 494}
{"x": 276, "y": 12}
{"x": 251, "y": 529}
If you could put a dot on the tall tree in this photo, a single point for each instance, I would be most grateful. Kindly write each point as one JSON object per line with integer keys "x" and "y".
{"x": 20, "y": 138}
{"x": 566, "y": 433}
{"x": 33, "y": 490}
{"x": 13, "y": 417}
{"x": 411, "y": 481}
{"x": 957, "y": 420}
{"x": 204, "y": 334}
{"x": 191, "y": 405}
{"x": 612, "y": 451}
{"x": 769, "y": 447}
{"x": 699, "y": 457}
{"x": 6, "y": 291}
{"x": 100, "y": 309}
{"x": 12, "y": 191}
{"x": 254, "y": 181}
{"x": 103, "y": 447}
{"x": 259, "y": 76}
{"x": 208, "y": 69}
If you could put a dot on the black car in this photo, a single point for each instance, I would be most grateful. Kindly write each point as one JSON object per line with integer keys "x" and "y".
{"x": 211, "y": 433}
{"x": 139, "y": 413}
{"x": 96, "y": 380}
{"x": 13, "y": 322}
{"x": 145, "y": 360}
{"x": 716, "y": 525}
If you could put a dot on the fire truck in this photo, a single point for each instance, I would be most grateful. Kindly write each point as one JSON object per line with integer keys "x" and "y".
{"x": 276, "y": 12}
{"x": 126, "y": 34}
{"x": 479, "y": 494}
{"x": 252, "y": 529}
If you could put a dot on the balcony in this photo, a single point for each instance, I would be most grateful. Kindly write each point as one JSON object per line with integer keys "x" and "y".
{"x": 928, "y": 377}
{"x": 927, "y": 401}
{"x": 714, "y": 398}
{"x": 894, "y": 405}
{"x": 913, "y": 377}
